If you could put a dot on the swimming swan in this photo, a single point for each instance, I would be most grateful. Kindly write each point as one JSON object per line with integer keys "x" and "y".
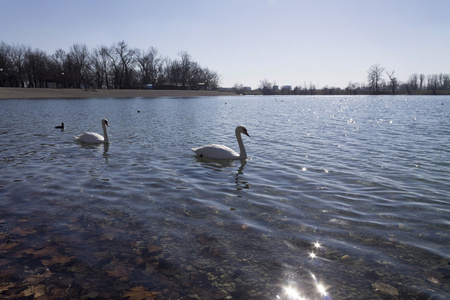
{"x": 94, "y": 138}
{"x": 215, "y": 151}
{"x": 60, "y": 127}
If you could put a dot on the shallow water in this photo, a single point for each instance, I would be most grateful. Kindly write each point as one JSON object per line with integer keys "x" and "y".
{"x": 341, "y": 198}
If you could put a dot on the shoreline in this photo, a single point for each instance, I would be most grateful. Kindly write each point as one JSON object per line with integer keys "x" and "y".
{"x": 7, "y": 93}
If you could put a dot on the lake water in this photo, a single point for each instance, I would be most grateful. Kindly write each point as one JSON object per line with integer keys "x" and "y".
{"x": 342, "y": 197}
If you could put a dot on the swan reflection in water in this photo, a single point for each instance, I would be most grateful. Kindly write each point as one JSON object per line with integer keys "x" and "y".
{"x": 240, "y": 183}
{"x": 97, "y": 146}
{"x": 220, "y": 165}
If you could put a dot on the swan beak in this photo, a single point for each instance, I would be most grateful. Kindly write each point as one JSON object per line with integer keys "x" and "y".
{"x": 245, "y": 132}
{"x": 106, "y": 123}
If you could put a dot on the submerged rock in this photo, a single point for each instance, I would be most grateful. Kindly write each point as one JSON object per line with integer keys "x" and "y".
{"x": 385, "y": 288}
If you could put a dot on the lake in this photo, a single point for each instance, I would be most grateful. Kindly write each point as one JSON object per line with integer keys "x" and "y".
{"x": 342, "y": 197}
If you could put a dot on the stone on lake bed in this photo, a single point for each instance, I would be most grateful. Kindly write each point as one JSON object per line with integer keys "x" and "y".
{"x": 385, "y": 288}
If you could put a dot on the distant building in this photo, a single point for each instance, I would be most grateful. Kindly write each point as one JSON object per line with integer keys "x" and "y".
{"x": 275, "y": 88}
{"x": 247, "y": 88}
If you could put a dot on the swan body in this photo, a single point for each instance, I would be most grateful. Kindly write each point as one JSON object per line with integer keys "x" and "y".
{"x": 93, "y": 137}
{"x": 60, "y": 127}
{"x": 215, "y": 151}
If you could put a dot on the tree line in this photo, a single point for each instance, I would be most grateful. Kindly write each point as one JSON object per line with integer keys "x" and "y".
{"x": 417, "y": 83}
{"x": 118, "y": 66}
{"x": 379, "y": 81}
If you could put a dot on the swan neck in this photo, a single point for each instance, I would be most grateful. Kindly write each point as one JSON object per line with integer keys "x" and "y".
{"x": 242, "y": 154}
{"x": 105, "y": 133}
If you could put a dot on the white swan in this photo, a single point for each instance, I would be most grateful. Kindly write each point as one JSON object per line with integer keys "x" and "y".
{"x": 94, "y": 138}
{"x": 215, "y": 151}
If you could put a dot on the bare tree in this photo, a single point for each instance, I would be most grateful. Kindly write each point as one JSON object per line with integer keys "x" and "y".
{"x": 393, "y": 81}
{"x": 36, "y": 66}
{"x": 101, "y": 64}
{"x": 446, "y": 82}
{"x": 150, "y": 65}
{"x": 175, "y": 73}
{"x": 412, "y": 84}
{"x": 421, "y": 82}
{"x": 352, "y": 87}
{"x": 123, "y": 60}
{"x": 374, "y": 76}
{"x": 433, "y": 83}
{"x": 238, "y": 88}
{"x": 5, "y": 63}
{"x": 80, "y": 67}
{"x": 118, "y": 66}
{"x": 266, "y": 87}
{"x": 17, "y": 57}
{"x": 164, "y": 77}
{"x": 185, "y": 66}
{"x": 57, "y": 62}
{"x": 196, "y": 76}
{"x": 210, "y": 78}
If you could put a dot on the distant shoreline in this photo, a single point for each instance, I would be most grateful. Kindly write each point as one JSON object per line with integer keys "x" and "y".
{"x": 47, "y": 93}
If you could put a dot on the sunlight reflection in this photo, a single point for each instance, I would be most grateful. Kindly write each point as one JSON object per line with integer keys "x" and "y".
{"x": 321, "y": 288}
{"x": 292, "y": 292}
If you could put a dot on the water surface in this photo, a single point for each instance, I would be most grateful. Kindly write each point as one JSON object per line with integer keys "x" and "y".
{"x": 341, "y": 198}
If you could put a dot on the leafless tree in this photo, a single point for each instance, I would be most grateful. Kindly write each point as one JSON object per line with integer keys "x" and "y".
{"x": 433, "y": 83}
{"x": 123, "y": 60}
{"x": 36, "y": 67}
{"x": 79, "y": 65}
{"x": 352, "y": 87}
{"x": 5, "y": 63}
{"x": 266, "y": 87}
{"x": 57, "y": 62}
{"x": 421, "y": 82}
{"x": 185, "y": 68}
{"x": 445, "y": 82}
{"x": 374, "y": 75}
{"x": 150, "y": 65}
{"x": 211, "y": 79}
{"x": 175, "y": 73}
{"x": 238, "y": 88}
{"x": 101, "y": 64}
{"x": 412, "y": 84}
{"x": 393, "y": 81}
{"x": 17, "y": 57}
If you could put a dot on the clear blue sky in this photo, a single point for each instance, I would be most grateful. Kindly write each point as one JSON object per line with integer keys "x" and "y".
{"x": 287, "y": 42}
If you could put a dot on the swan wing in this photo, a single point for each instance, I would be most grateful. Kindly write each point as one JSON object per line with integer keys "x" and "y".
{"x": 90, "y": 138}
{"x": 215, "y": 151}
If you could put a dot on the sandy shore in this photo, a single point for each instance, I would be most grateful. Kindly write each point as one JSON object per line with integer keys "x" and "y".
{"x": 29, "y": 93}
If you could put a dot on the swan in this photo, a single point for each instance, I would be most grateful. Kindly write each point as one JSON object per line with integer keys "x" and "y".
{"x": 60, "y": 127}
{"x": 94, "y": 138}
{"x": 215, "y": 151}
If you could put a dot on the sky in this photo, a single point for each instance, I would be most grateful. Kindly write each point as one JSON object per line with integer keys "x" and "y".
{"x": 325, "y": 43}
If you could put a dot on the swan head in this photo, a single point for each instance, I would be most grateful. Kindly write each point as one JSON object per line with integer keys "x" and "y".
{"x": 105, "y": 122}
{"x": 242, "y": 129}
